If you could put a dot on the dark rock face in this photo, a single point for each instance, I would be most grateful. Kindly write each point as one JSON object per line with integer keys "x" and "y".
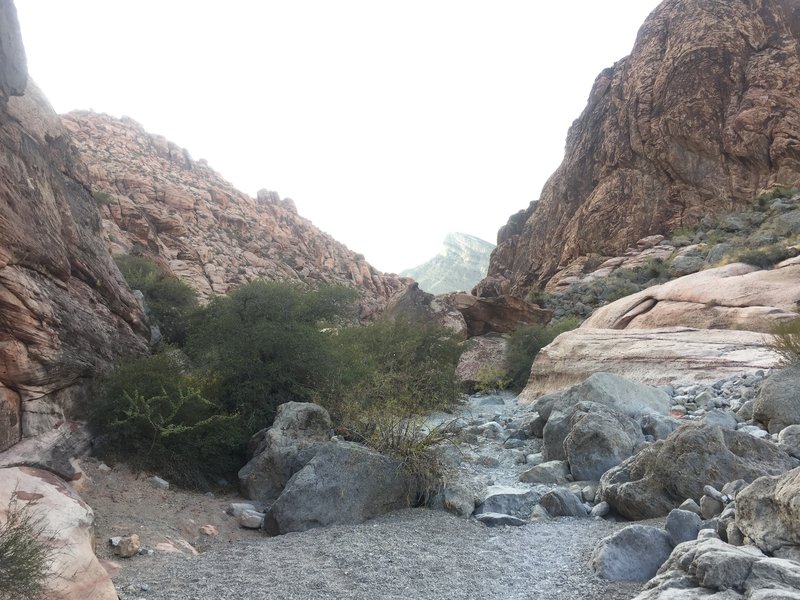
{"x": 699, "y": 118}
{"x": 65, "y": 311}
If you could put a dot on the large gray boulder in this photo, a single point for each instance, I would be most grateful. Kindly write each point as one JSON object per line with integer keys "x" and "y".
{"x": 768, "y": 513}
{"x": 345, "y": 483}
{"x": 518, "y": 502}
{"x": 299, "y": 430}
{"x": 561, "y": 502}
{"x": 710, "y": 568}
{"x": 634, "y": 553}
{"x": 661, "y": 476}
{"x": 611, "y": 392}
{"x": 778, "y": 402}
{"x": 599, "y": 438}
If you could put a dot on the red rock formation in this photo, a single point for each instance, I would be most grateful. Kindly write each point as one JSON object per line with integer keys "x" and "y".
{"x": 161, "y": 202}
{"x": 702, "y": 115}
{"x": 64, "y": 309}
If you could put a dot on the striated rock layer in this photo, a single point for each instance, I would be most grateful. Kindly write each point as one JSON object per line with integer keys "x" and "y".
{"x": 64, "y": 309}
{"x": 158, "y": 201}
{"x": 701, "y": 116}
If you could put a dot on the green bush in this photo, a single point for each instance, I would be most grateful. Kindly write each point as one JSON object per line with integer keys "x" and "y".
{"x": 102, "y": 198}
{"x": 26, "y": 554}
{"x": 525, "y": 343}
{"x": 269, "y": 343}
{"x": 765, "y": 257}
{"x": 159, "y": 417}
{"x": 169, "y": 300}
{"x": 395, "y": 362}
{"x": 779, "y": 191}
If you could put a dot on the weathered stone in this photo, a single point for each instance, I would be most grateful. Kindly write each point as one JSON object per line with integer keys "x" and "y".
{"x": 554, "y": 471}
{"x": 344, "y": 483}
{"x": 777, "y": 405}
{"x": 69, "y": 520}
{"x": 682, "y": 526}
{"x": 599, "y": 438}
{"x": 158, "y": 483}
{"x": 251, "y": 519}
{"x": 789, "y": 440}
{"x": 662, "y": 475}
{"x": 299, "y": 430}
{"x": 710, "y": 568}
{"x": 503, "y": 314}
{"x": 710, "y": 507}
{"x": 509, "y": 500}
{"x": 632, "y": 554}
{"x": 560, "y": 502}
{"x": 694, "y": 122}
{"x": 768, "y": 513}
{"x": 485, "y": 353}
{"x": 127, "y": 546}
{"x": 459, "y": 495}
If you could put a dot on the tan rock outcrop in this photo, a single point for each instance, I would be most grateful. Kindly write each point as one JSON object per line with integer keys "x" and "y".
{"x": 158, "y": 201}
{"x": 735, "y": 296}
{"x": 699, "y": 118}
{"x": 65, "y": 311}
{"x": 652, "y": 356}
{"x": 75, "y": 572}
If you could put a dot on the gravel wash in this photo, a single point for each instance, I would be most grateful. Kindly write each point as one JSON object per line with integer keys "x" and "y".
{"x": 415, "y": 553}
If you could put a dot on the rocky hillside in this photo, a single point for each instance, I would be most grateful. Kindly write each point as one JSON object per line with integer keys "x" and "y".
{"x": 65, "y": 310}
{"x": 156, "y": 200}
{"x": 697, "y": 120}
{"x": 460, "y": 264}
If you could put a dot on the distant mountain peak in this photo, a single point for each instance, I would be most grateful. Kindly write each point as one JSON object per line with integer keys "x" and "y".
{"x": 460, "y": 264}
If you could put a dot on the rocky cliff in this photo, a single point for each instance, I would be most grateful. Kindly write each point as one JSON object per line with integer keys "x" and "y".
{"x": 64, "y": 309}
{"x": 701, "y": 116}
{"x": 461, "y": 264}
{"x": 156, "y": 200}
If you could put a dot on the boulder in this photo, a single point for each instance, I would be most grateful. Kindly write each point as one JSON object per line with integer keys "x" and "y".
{"x": 661, "y": 476}
{"x": 599, "y": 438}
{"x": 299, "y": 430}
{"x": 561, "y": 502}
{"x": 789, "y": 440}
{"x": 554, "y": 471}
{"x": 344, "y": 483}
{"x": 710, "y": 568}
{"x": 650, "y": 356}
{"x": 777, "y": 404}
{"x": 682, "y": 526}
{"x": 768, "y": 513}
{"x": 632, "y": 554}
{"x": 68, "y": 524}
{"x": 496, "y": 519}
{"x": 518, "y": 502}
{"x": 458, "y": 495}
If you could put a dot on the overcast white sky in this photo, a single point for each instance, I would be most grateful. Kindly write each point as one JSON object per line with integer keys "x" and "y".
{"x": 388, "y": 123}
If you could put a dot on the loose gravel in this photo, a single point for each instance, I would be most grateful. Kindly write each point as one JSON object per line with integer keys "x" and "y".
{"x": 416, "y": 553}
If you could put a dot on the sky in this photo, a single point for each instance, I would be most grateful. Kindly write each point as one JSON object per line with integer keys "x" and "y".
{"x": 388, "y": 123}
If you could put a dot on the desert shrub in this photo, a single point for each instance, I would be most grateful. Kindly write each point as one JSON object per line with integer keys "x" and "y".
{"x": 169, "y": 300}
{"x": 268, "y": 343}
{"x": 26, "y": 554}
{"x": 779, "y": 191}
{"x": 766, "y": 256}
{"x": 491, "y": 379}
{"x": 159, "y": 417}
{"x": 525, "y": 343}
{"x": 396, "y": 362}
{"x": 102, "y": 198}
{"x": 786, "y": 340}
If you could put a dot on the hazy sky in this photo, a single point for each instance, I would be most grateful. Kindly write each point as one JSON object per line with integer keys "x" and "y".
{"x": 388, "y": 123}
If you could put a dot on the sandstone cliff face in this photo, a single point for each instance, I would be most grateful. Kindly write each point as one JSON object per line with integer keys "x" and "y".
{"x": 158, "y": 201}
{"x": 64, "y": 309}
{"x": 701, "y": 116}
{"x": 459, "y": 266}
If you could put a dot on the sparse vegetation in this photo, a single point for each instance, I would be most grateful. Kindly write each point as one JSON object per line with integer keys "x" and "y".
{"x": 786, "y": 340}
{"x": 492, "y": 379}
{"x": 26, "y": 554}
{"x": 766, "y": 256}
{"x": 102, "y": 198}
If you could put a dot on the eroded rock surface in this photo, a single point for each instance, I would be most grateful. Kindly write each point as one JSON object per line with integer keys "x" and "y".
{"x": 159, "y": 201}
{"x": 696, "y": 121}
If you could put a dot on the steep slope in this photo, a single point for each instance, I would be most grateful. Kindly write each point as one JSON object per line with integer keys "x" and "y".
{"x": 157, "y": 200}
{"x": 64, "y": 309}
{"x": 701, "y": 116}
{"x": 460, "y": 264}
